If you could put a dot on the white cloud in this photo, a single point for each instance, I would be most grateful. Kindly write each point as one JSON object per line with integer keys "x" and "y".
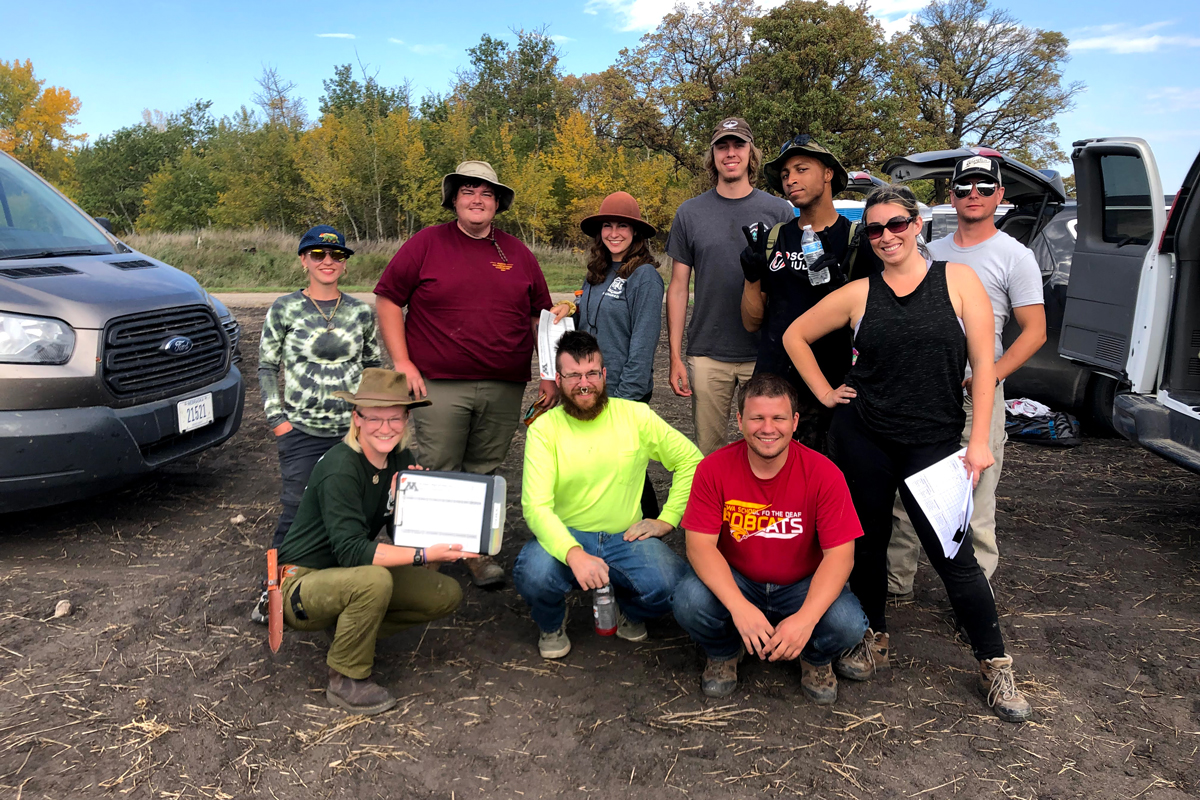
{"x": 558, "y": 38}
{"x": 645, "y": 15}
{"x": 335, "y": 35}
{"x": 396, "y": 41}
{"x": 1171, "y": 99}
{"x": 427, "y": 49}
{"x": 1124, "y": 39}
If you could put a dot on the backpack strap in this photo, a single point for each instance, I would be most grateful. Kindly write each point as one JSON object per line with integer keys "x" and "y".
{"x": 773, "y": 236}
{"x": 852, "y": 250}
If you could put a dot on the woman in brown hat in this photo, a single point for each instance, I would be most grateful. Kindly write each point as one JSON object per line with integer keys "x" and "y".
{"x": 621, "y": 303}
{"x": 335, "y": 573}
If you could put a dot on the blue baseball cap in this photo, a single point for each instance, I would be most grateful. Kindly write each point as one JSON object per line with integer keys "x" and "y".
{"x": 323, "y": 236}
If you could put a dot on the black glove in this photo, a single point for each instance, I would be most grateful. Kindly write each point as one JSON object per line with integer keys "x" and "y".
{"x": 754, "y": 257}
{"x": 828, "y": 261}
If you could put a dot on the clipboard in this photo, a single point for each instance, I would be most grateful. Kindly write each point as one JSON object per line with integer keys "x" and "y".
{"x": 450, "y": 508}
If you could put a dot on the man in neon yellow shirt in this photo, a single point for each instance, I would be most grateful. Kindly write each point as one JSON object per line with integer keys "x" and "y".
{"x": 581, "y": 491}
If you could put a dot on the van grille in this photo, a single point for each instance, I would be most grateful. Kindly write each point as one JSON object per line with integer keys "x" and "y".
{"x": 135, "y": 363}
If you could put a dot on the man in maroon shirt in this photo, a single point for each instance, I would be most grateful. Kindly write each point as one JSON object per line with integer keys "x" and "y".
{"x": 770, "y": 535}
{"x": 474, "y": 295}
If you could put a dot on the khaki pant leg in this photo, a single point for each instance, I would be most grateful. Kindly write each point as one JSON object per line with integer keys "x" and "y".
{"x": 356, "y": 599}
{"x": 495, "y": 414}
{"x": 903, "y": 551}
{"x": 983, "y": 518}
{"x": 418, "y": 595}
{"x": 713, "y": 385}
{"x": 440, "y": 430}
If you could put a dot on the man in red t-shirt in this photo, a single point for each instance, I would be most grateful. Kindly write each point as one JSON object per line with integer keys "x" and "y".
{"x": 770, "y": 535}
{"x": 474, "y": 295}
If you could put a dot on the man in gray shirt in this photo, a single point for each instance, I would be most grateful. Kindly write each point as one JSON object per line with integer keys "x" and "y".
{"x": 706, "y": 236}
{"x": 1010, "y": 275}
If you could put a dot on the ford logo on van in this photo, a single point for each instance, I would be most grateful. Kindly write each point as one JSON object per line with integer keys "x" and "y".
{"x": 177, "y": 345}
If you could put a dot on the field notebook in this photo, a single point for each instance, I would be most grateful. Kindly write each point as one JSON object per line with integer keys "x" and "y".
{"x": 450, "y": 508}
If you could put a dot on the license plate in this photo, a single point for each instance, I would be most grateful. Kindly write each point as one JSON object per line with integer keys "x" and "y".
{"x": 195, "y": 412}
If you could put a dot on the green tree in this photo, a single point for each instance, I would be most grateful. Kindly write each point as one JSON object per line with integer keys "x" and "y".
{"x": 344, "y": 93}
{"x": 181, "y": 196}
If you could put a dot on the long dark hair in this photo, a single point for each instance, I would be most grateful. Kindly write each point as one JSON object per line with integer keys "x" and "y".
{"x": 598, "y": 258}
{"x": 897, "y": 195}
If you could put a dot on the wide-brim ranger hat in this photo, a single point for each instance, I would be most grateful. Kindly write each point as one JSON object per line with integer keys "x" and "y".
{"x": 618, "y": 207}
{"x": 803, "y": 145}
{"x": 475, "y": 171}
{"x": 323, "y": 236}
{"x": 379, "y": 388}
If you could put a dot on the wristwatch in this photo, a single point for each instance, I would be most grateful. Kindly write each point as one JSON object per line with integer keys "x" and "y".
{"x": 419, "y": 557}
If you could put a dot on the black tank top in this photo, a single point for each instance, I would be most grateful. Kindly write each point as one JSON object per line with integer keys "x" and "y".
{"x": 912, "y": 354}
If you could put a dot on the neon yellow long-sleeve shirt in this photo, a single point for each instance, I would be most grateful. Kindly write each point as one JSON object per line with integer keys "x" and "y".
{"x": 588, "y": 475}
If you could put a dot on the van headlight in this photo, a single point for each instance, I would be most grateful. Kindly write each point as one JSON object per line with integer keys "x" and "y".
{"x": 34, "y": 340}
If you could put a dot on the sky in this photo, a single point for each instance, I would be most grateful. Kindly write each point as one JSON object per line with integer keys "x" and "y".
{"x": 1140, "y": 62}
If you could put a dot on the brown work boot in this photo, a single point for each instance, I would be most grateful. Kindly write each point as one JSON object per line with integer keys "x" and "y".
{"x": 999, "y": 686}
{"x": 720, "y": 677}
{"x": 485, "y": 571}
{"x": 358, "y": 697}
{"x": 818, "y": 682}
{"x": 862, "y": 661}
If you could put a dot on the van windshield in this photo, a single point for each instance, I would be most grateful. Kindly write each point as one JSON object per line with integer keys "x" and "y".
{"x": 35, "y": 222}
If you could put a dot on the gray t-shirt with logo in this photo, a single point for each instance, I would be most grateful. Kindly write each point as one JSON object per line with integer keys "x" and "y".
{"x": 1008, "y": 269}
{"x": 707, "y": 236}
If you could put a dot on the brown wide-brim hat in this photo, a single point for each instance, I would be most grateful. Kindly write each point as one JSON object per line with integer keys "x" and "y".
{"x": 475, "y": 171}
{"x": 381, "y": 387}
{"x": 618, "y": 207}
{"x": 803, "y": 145}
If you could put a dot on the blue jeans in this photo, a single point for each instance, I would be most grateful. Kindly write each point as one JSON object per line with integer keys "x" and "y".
{"x": 643, "y": 574}
{"x": 709, "y": 623}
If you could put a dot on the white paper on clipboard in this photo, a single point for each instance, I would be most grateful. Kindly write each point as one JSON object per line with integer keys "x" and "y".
{"x": 549, "y": 332}
{"x": 432, "y": 510}
{"x": 944, "y": 492}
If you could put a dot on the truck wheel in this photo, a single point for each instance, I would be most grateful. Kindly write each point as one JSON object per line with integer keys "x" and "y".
{"x": 1102, "y": 391}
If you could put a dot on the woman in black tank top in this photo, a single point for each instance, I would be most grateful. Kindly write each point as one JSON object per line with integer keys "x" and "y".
{"x": 900, "y": 410}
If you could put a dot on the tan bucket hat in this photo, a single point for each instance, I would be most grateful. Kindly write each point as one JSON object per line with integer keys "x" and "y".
{"x": 475, "y": 171}
{"x": 622, "y": 207}
{"x": 382, "y": 387}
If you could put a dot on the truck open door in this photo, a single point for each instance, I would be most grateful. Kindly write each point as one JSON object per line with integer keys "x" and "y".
{"x": 1119, "y": 295}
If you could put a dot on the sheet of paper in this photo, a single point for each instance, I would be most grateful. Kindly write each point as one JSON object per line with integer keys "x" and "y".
{"x": 549, "y": 332}
{"x": 943, "y": 491}
{"x": 434, "y": 510}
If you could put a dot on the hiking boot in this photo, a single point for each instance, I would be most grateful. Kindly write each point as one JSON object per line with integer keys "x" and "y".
{"x": 901, "y": 598}
{"x": 998, "y": 685}
{"x": 485, "y": 571}
{"x": 259, "y": 614}
{"x": 862, "y": 661}
{"x": 720, "y": 677}
{"x": 555, "y": 644}
{"x": 358, "y": 697}
{"x": 631, "y": 631}
{"x": 818, "y": 682}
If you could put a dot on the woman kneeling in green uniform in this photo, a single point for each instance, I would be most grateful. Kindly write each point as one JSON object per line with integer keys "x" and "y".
{"x": 335, "y": 573}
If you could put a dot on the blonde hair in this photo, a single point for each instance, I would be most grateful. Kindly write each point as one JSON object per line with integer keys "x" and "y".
{"x": 351, "y": 437}
{"x": 756, "y": 160}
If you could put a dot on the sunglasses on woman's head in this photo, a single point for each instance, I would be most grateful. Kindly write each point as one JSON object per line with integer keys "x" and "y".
{"x": 317, "y": 254}
{"x": 985, "y": 188}
{"x": 896, "y": 225}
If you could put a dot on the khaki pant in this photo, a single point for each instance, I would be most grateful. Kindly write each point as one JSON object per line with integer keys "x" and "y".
{"x": 904, "y": 547}
{"x": 469, "y": 426}
{"x": 366, "y": 603}
{"x": 713, "y": 386}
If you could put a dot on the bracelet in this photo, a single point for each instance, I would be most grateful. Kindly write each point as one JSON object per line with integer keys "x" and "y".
{"x": 574, "y": 308}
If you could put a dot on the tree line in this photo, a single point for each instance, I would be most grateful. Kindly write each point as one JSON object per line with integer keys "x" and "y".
{"x": 963, "y": 73}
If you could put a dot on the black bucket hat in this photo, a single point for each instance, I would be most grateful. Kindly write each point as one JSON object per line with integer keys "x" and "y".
{"x": 803, "y": 145}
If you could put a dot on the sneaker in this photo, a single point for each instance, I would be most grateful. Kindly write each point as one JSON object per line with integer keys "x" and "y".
{"x": 901, "y": 598}
{"x": 261, "y": 608}
{"x": 818, "y": 682}
{"x": 631, "y": 631}
{"x": 555, "y": 644}
{"x": 357, "y": 696}
{"x": 485, "y": 571}
{"x": 998, "y": 685}
{"x": 720, "y": 677}
{"x": 866, "y": 658}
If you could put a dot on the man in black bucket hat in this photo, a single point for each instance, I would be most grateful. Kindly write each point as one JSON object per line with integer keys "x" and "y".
{"x": 780, "y": 286}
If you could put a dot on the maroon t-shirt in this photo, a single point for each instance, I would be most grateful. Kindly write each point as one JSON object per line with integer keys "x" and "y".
{"x": 772, "y": 531}
{"x": 468, "y": 311}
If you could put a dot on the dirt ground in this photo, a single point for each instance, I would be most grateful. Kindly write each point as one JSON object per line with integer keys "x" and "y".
{"x": 159, "y": 686}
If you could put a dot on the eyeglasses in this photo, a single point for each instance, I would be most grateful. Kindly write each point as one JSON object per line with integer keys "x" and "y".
{"x": 574, "y": 377}
{"x": 985, "y": 189}
{"x": 395, "y": 423}
{"x": 896, "y": 225}
{"x": 318, "y": 255}
{"x": 799, "y": 140}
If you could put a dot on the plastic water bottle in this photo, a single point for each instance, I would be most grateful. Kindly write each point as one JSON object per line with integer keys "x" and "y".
{"x": 604, "y": 610}
{"x": 810, "y": 243}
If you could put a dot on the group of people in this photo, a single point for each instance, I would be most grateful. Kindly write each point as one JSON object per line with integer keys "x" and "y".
{"x": 850, "y": 372}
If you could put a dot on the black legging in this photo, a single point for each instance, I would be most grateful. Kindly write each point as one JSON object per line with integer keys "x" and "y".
{"x": 874, "y": 468}
{"x": 650, "y": 507}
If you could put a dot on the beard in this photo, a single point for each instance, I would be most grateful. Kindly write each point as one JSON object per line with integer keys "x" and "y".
{"x": 576, "y": 411}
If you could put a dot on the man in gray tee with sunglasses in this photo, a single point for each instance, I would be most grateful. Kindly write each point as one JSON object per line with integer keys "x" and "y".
{"x": 1013, "y": 282}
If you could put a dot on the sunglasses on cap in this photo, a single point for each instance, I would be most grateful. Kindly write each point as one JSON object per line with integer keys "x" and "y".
{"x": 896, "y": 225}
{"x": 318, "y": 254}
{"x": 985, "y": 189}
{"x": 800, "y": 140}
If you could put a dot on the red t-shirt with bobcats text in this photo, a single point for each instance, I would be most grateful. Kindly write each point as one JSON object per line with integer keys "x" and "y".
{"x": 772, "y": 531}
